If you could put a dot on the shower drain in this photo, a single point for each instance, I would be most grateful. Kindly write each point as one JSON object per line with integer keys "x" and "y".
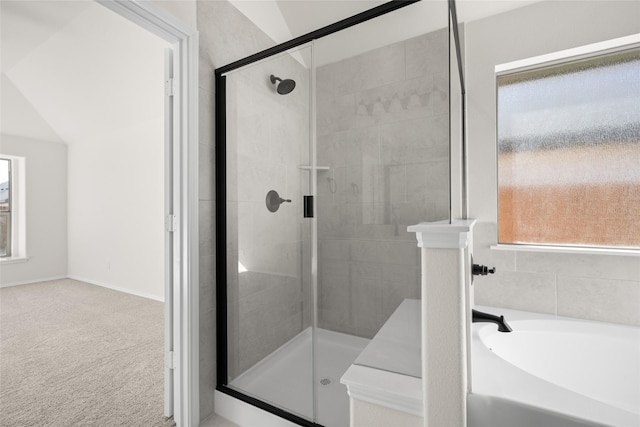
{"x": 326, "y": 381}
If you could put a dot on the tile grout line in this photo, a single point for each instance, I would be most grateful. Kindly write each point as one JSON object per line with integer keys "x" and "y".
{"x": 556, "y": 292}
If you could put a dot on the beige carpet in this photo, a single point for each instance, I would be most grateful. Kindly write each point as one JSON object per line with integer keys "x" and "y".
{"x": 74, "y": 354}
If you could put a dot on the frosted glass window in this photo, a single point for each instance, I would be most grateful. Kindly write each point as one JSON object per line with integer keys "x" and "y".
{"x": 569, "y": 153}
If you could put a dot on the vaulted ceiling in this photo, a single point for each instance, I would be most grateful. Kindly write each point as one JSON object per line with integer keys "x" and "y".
{"x": 69, "y": 69}
{"x": 283, "y": 20}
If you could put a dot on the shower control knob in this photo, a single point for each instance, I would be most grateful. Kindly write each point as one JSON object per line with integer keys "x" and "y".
{"x": 482, "y": 270}
{"x": 274, "y": 201}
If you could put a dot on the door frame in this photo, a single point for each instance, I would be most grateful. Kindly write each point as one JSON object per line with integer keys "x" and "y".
{"x": 182, "y": 305}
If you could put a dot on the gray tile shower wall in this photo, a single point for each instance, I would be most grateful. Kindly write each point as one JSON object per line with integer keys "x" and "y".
{"x": 267, "y": 136}
{"x": 383, "y": 131}
{"x": 225, "y": 36}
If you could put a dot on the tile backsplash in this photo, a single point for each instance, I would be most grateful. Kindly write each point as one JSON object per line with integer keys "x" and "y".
{"x": 383, "y": 134}
{"x": 587, "y": 286}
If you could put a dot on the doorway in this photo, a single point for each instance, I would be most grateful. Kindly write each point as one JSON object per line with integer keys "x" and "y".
{"x": 180, "y": 211}
{"x": 182, "y": 218}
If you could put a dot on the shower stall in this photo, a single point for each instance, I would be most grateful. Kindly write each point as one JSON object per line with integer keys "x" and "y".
{"x": 327, "y": 148}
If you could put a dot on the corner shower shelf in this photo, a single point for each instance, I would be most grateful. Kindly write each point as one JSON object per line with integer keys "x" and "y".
{"x": 317, "y": 168}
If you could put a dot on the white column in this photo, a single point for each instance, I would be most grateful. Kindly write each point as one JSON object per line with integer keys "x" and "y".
{"x": 445, "y": 321}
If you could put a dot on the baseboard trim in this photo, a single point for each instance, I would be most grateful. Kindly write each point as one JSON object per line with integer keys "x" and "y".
{"x": 116, "y": 288}
{"x": 29, "y": 282}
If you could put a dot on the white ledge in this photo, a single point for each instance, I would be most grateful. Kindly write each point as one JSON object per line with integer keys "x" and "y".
{"x": 443, "y": 234}
{"x": 387, "y": 372}
{"x": 317, "y": 168}
{"x": 566, "y": 249}
{"x": 14, "y": 260}
{"x": 573, "y": 53}
{"x": 396, "y": 391}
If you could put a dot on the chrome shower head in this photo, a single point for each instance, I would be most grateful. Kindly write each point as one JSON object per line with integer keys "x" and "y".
{"x": 285, "y": 86}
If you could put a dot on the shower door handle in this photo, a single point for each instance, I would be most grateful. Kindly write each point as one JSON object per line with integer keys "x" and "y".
{"x": 308, "y": 206}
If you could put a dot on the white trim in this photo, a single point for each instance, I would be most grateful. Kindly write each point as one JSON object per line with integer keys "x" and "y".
{"x": 116, "y": 288}
{"x": 30, "y": 282}
{"x": 18, "y": 178}
{"x": 14, "y": 259}
{"x": 169, "y": 235}
{"x": 191, "y": 229}
{"x": 443, "y": 234}
{"x": 150, "y": 17}
{"x": 569, "y": 54}
{"x": 565, "y": 249}
{"x": 185, "y": 193}
{"x": 389, "y": 389}
{"x": 244, "y": 414}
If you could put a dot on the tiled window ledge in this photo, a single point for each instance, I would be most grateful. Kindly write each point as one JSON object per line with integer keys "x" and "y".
{"x": 566, "y": 249}
{"x": 14, "y": 260}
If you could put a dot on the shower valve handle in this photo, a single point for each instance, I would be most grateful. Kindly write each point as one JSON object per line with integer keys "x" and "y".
{"x": 274, "y": 201}
{"x": 482, "y": 270}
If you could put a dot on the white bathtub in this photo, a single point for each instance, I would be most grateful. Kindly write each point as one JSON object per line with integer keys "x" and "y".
{"x": 554, "y": 371}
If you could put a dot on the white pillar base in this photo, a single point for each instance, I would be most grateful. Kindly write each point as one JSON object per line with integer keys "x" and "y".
{"x": 445, "y": 320}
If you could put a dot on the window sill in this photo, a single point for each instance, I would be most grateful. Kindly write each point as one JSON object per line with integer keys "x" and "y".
{"x": 566, "y": 250}
{"x": 14, "y": 260}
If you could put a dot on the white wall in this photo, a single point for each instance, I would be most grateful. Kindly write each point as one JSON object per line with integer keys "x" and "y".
{"x": 184, "y": 10}
{"x": 116, "y": 203}
{"x": 564, "y": 284}
{"x": 365, "y": 414}
{"x": 116, "y": 159}
{"x": 226, "y": 35}
{"x": 104, "y": 97}
{"x": 46, "y": 210}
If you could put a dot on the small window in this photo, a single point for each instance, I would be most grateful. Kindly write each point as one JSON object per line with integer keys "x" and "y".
{"x": 5, "y": 208}
{"x": 569, "y": 152}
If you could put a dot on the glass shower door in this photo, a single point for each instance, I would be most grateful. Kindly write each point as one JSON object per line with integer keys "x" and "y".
{"x": 269, "y": 247}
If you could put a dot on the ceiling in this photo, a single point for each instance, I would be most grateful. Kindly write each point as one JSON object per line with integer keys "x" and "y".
{"x": 283, "y": 20}
{"x": 62, "y": 79}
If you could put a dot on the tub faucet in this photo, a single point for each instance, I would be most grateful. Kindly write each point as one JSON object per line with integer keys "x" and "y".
{"x": 479, "y": 316}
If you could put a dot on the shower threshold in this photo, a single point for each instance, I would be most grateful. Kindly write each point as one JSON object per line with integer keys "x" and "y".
{"x": 285, "y": 377}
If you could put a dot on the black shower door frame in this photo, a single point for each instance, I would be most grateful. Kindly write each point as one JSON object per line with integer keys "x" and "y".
{"x": 221, "y": 184}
